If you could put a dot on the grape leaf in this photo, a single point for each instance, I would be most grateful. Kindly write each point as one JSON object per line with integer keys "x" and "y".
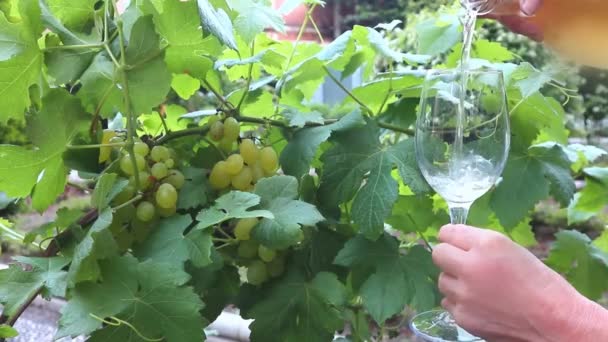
{"x": 97, "y": 244}
{"x": 10, "y": 40}
{"x": 195, "y": 192}
{"x": 6, "y": 331}
{"x": 161, "y": 308}
{"x": 188, "y": 52}
{"x": 414, "y": 275}
{"x": 592, "y": 199}
{"x": 367, "y": 35}
{"x": 74, "y": 15}
{"x": 185, "y": 86}
{"x": 296, "y": 157}
{"x": 65, "y": 218}
{"x": 106, "y": 189}
{"x": 529, "y": 178}
{"x": 278, "y": 196}
{"x": 438, "y": 35}
{"x": 51, "y": 130}
{"x": 415, "y": 214}
{"x": 358, "y": 155}
{"x": 166, "y": 243}
{"x": 235, "y": 204}
{"x": 585, "y": 266}
{"x": 18, "y": 286}
{"x": 23, "y": 69}
{"x": 103, "y": 299}
{"x": 299, "y": 119}
{"x": 254, "y": 18}
{"x": 199, "y": 247}
{"x": 295, "y": 309}
{"x": 217, "y": 22}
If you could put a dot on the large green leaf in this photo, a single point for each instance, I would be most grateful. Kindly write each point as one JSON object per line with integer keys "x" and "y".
{"x": 103, "y": 299}
{"x": 217, "y": 22}
{"x": 278, "y": 196}
{"x": 161, "y": 308}
{"x": 19, "y": 286}
{"x": 50, "y": 130}
{"x": 358, "y": 155}
{"x": 299, "y": 310}
{"x": 20, "y": 60}
{"x": 235, "y": 204}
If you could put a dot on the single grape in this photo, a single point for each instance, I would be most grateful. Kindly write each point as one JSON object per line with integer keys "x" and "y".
{"x": 144, "y": 181}
{"x": 243, "y": 180}
{"x": 266, "y": 254}
{"x": 248, "y": 249}
{"x": 166, "y": 212}
{"x": 126, "y": 164}
{"x": 257, "y": 273}
{"x": 216, "y": 132}
{"x": 234, "y": 164}
{"x": 159, "y": 153}
{"x": 257, "y": 171}
{"x": 126, "y": 194}
{"x": 242, "y": 230}
{"x": 232, "y": 129}
{"x": 276, "y": 267}
{"x": 269, "y": 160}
{"x": 249, "y": 151}
{"x": 159, "y": 170}
{"x": 226, "y": 145}
{"x": 141, "y": 149}
{"x": 145, "y": 211}
{"x": 176, "y": 179}
{"x": 213, "y": 119}
{"x": 219, "y": 178}
{"x": 166, "y": 196}
{"x": 170, "y": 163}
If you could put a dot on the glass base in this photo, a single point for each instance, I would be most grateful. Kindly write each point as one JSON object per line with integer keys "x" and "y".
{"x": 439, "y": 326}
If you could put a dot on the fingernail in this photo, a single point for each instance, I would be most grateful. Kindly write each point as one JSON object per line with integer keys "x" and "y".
{"x": 529, "y": 7}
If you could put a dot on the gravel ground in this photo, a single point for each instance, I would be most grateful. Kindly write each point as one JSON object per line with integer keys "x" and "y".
{"x": 39, "y": 324}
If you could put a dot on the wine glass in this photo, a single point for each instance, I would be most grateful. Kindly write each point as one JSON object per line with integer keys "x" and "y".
{"x": 462, "y": 144}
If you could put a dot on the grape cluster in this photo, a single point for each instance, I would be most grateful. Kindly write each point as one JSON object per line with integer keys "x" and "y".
{"x": 261, "y": 262}
{"x": 241, "y": 169}
{"x": 159, "y": 182}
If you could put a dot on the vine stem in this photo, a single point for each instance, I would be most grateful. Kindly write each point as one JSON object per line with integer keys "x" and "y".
{"x": 181, "y": 133}
{"x": 127, "y": 97}
{"x": 75, "y": 47}
{"x": 348, "y": 92}
{"x": 249, "y": 77}
{"x": 221, "y": 98}
{"x": 127, "y": 203}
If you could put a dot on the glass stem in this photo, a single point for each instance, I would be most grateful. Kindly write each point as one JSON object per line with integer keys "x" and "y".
{"x": 459, "y": 213}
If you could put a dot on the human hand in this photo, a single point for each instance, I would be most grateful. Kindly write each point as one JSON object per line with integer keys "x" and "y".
{"x": 500, "y": 291}
{"x": 520, "y": 24}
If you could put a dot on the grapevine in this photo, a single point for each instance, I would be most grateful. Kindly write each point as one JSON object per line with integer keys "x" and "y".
{"x": 216, "y": 180}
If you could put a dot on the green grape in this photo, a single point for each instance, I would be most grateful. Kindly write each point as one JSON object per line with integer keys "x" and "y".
{"x": 276, "y": 267}
{"x": 141, "y": 149}
{"x": 213, "y": 119}
{"x": 145, "y": 211}
{"x": 144, "y": 181}
{"x": 124, "y": 214}
{"x": 216, "y": 132}
{"x": 176, "y": 179}
{"x": 219, "y": 178}
{"x": 226, "y": 145}
{"x": 269, "y": 160}
{"x": 166, "y": 212}
{"x": 159, "y": 170}
{"x": 170, "y": 163}
{"x": 248, "y": 249}
{"x": 266, "y": 254}
{"x": 257, "y": 273}
{"x": 232, "y": 129}
{"x": 126, "y": 165}
{"x": 257, "y": 172}
{"x": 126, "y": 194}
{"x": 166, "y": 196}
{"x": 234, "y": 164}
{"x": 243, "y": 180}
{"x": 242, "y": 230}
{"x": 159, "y": 153}
{"x": 249, "y": 151}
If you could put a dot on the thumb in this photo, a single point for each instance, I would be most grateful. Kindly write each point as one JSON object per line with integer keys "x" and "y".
{"x": 529, "y": 7}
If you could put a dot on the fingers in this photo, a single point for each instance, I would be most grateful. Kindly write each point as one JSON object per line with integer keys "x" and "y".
{"x": 449, "y": 258}
{"x": 449, "y": 285}
{"x": 523, "y": 26}
{"x": 460, "y": 236}
{"x": 447, "y": 304}
{"x": 529, "y": 7}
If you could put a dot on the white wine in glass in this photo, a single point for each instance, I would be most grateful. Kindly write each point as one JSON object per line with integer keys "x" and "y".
{"x": 462, "y": 144}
